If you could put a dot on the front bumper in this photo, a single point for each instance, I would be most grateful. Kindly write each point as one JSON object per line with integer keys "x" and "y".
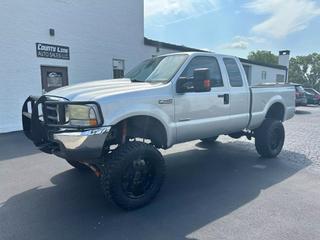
{"x": 78, "y": 144}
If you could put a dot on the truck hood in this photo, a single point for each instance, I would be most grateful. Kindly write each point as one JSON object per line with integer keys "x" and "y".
{"x": 90, "y": 91}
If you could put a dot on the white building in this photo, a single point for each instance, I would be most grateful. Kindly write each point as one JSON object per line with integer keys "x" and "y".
{"x": 46, "y": 44}
{"x": 258, "y": 73}
{"x": 52, "y": 43}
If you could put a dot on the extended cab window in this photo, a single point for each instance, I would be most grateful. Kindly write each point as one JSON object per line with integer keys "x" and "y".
{"x": 205, "y": 62}
{"x": 234, "y": 73}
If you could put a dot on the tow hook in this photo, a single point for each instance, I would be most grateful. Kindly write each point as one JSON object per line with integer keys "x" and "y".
{"x": 96, "y": 170}
{"x": 249, "y": 134}
{"x": 124, "y": 132}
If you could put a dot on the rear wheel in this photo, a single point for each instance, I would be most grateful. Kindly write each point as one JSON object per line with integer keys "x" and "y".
{"x": 133, "y": 176}
{"x": 209, "y": 140}
{"x": 269, "y": 138}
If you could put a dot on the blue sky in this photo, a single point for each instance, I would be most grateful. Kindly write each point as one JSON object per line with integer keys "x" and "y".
{"x": 236, "y": 27}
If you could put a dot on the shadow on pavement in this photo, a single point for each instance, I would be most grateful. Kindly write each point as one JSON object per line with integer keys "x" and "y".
{"x": 15, "y": 145}
{"x": 203, "y": 185}
{"x": 313, "y": 106}
{"x": 302, "y": 112}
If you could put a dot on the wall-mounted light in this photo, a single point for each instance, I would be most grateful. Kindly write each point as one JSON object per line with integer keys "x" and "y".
{"x": 51, "y": 32}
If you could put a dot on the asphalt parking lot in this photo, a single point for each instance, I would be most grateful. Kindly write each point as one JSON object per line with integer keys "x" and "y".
{"x": 219, "y": 191}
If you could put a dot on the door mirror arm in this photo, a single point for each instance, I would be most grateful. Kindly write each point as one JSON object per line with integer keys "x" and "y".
{"x": 185, "y": 85}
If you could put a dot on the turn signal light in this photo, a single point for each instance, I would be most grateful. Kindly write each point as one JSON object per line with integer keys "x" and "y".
{"x": 93, "y": 122}
{"x": 207, "y": 84}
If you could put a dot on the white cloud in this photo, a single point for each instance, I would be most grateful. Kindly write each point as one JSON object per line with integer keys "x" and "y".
{"x": 206, "y": 49}
{"x": 286, "y": 16}
{"x": 242, "y": 42}
{"x": 237, "y": 45}
{"x": 178, "y": 7}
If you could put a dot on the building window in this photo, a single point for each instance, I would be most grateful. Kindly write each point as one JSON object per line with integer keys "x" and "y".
{"x": 118, "y": 68}
{"x": 53, "y": 77}
{"x": 264, "y": 75}
{"x": 280, "y": 78}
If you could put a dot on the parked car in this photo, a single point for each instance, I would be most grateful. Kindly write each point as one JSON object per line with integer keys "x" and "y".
{"x": 115, "y": 127}
{"x": 313, "y": 96}
{"x": 301, "y": 98}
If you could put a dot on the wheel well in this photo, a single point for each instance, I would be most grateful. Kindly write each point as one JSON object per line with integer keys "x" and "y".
{"x": 276, "y": 111}
{"x": 145, "y": 127}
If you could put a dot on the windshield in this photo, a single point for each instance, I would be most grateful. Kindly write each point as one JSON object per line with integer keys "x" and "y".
{"x": 158, "y": 69}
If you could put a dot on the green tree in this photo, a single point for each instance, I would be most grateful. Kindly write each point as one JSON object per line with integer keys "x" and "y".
{"x": 305, "y": 70}
{"x": 263, "y": 57}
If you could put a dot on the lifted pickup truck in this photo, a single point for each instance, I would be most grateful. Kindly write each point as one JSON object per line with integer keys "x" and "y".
{"x": 115, "y": 127}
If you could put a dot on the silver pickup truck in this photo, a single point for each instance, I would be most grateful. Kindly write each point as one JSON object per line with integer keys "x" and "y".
{"x": 115, "y": 127}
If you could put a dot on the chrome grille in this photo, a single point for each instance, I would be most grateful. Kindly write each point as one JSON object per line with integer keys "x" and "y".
{"x": 52, "y": 113}
{"x": 54, "y": 110}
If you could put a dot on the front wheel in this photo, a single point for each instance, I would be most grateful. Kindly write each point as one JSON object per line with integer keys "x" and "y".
{"x": 269, "y": 138}
{"x": 133, "y": 176}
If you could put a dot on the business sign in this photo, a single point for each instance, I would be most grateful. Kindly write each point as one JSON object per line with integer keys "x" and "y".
{"x": 52, "y": 51}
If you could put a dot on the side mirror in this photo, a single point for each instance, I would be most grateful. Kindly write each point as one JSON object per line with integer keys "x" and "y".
{"x": 201, "y": 80}
{"x": 199, "y": 83}
{"x": 185, "y": 85}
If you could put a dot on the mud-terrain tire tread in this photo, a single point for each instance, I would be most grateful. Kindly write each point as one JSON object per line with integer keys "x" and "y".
{"x": 263, "y": 138}
{"x": 113, "y": 166}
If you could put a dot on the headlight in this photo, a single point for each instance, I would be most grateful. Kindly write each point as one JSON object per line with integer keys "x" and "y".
{"x": 82, "y": 115}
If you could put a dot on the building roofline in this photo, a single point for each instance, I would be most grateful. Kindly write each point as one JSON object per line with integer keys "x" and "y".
{"x": 243, "y": 60}
{"x": 182, "y": 48}
{"x": 170, "y": 46}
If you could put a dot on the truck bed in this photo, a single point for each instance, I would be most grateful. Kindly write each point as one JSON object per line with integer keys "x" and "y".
{"x": 263, "y": 96}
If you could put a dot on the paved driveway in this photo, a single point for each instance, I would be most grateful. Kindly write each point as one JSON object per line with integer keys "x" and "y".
{"x": 220, "y": 191}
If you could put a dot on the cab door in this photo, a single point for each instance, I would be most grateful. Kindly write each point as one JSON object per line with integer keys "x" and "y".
{"x": 239, "y": 94}
{"x": 202, "y": 115}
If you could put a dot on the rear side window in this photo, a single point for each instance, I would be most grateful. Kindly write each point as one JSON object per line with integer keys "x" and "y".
{"x": 205, "y": 62}
{"x": 234, "y": 73}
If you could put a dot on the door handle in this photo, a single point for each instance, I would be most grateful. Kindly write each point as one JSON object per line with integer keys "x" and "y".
{"x": 226, "y": 98}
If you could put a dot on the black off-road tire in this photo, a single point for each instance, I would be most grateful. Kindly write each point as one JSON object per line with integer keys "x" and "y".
{"x": 209, "y": 140}
{"x": 119, "y": 165}
{"x": 78, "y": 165}
{"x": 269, "y": 138}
